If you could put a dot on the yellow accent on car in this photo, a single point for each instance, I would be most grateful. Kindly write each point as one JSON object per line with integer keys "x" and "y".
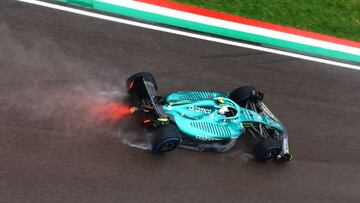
{"x": 180, "y": 102}
{"x": 221, "y": 100}
{"x": 163, "y": 119}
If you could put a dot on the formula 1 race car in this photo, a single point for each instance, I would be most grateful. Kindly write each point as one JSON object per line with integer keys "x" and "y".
{"x": 207, "y": 120}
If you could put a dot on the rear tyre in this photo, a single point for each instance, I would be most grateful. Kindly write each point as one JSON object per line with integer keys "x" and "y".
{"x": 267, "y": 149}
{"x": 166, "y": 138}
{"x": 244, "y": 94}
{"x": 132, "y": 83}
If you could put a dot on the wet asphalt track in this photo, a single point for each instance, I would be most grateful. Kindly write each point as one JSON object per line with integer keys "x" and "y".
{"x": 53, "y": 64}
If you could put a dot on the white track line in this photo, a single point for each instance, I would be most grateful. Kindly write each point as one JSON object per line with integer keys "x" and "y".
{"x": 187, "y": 34}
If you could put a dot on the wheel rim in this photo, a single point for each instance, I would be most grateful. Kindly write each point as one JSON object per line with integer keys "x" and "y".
{"x": 272, "y": 153}
{"x": 167, "y": 146}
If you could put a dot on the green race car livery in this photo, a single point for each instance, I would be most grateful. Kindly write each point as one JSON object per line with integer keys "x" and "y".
{"x": 200, "y": 119}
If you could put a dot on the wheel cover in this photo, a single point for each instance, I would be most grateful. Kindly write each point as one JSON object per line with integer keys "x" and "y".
{"x": 167, "y": 146}
{"x": 272, "y": 153}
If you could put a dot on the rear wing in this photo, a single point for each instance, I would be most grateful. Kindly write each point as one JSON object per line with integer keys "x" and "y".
{"x": 147, "y": 99}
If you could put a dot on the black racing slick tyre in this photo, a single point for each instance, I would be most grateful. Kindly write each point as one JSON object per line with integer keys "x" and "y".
{"x": 267, "y": 149}
{"x": 243, "y": 94}
{"x": 132, "y": 83}
{"x": 165, "y": 139}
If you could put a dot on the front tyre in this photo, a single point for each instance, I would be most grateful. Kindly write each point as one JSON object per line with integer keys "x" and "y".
{"x": 267, "y": 149}
{"x": 244, "y": 94}
{"x": 165, "y": 139}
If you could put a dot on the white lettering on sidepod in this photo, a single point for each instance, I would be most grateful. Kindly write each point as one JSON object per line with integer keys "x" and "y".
{"x": 199, "y": 109}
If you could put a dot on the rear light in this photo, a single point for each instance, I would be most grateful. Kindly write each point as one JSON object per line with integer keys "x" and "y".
{"x": 133, "y": 109}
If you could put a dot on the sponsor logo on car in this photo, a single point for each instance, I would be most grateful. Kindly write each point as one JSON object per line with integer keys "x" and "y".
{"x": 199, "y": 109}
{"x": 200, "y": 137}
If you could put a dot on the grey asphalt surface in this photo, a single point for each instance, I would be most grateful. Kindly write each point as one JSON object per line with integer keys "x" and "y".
{"x": 56, "y": 67}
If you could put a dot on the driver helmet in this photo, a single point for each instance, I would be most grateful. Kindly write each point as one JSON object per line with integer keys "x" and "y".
{"x": 224, "y": 109}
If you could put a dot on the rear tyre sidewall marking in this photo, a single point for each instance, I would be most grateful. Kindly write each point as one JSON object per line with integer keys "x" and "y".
{"x": 131, "y": 81}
